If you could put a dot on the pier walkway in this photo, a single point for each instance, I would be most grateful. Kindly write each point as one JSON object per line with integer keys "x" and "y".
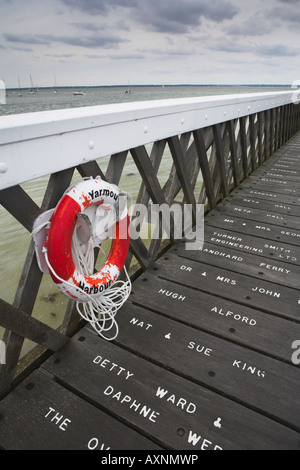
{"x": 208, "y": 351}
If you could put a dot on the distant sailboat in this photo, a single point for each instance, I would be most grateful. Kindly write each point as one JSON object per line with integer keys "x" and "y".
{"x": 55, "y": 86}
{"x": 127, "y": 91}
{"x": 20, "y": 94}
{"x": 32, "y": 89}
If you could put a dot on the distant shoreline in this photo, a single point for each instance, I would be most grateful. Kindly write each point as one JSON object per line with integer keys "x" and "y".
{"x": 71, "y": 87}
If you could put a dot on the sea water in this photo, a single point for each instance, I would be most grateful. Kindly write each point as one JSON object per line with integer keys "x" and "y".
{"x": 14, "y": 238}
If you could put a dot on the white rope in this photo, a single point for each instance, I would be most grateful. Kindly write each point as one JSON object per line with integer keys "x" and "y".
{"x": 101, "y": 312}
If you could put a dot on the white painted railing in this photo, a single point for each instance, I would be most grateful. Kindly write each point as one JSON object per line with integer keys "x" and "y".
{"x": 210, "y": 145}
{"x": 41, "y": 143}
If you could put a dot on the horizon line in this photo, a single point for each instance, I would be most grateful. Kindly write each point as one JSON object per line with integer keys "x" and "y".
{"x": 157, "y": 85}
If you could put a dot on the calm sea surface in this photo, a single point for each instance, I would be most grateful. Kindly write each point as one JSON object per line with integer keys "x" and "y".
{"x": 14, "y": 239}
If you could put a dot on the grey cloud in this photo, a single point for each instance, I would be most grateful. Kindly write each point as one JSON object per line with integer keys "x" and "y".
{"x": 289, "y": 13}
{"x": 127, "y": 57}
{"x": 263, "y": 50}
{"x": 88, "y": 26}
{"x": 60, "y": 56}
{"x": 23, "y": 49}
{"x": 253, "y": 26}
{"x": 277, "y": 50}
{"x": 99, "y": 7}
{"x": 27, "y": 38}
{"x": 168, "y": 16}
{"x": 92, "y": 41}
{"x": 227, "y": 44}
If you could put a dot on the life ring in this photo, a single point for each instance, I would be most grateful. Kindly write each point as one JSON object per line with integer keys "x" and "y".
{"x": 58, "y": 244}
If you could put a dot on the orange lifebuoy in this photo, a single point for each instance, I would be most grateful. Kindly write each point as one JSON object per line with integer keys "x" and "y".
{"x": 58, "y": 243}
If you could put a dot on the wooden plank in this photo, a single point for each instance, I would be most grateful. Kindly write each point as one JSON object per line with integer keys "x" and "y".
{"x": 277, "y": 186}
{"x": 268, "y": 151}
{"x": 42, "y": 415}
{"x": 269, "y": 191}
{"x": 203, "y": 161}
{"x": 141, "y": 253}
{"x": 257, "y": 244}
{"x": 286, "y": 166}
{"x": 25, "y": 298}
{"x": 243, "y": 142}
{"x": 259, "y": 215}
{"x": 24, "y": 325}
{"x": 149, "y": 177}
{"x": 252, "y": 141}
{"x": 220, "y": 159}
{"x": 288, "y": 174}
{"x": 293, "y": 181}
{"x": 242, "y": 224}
{"x": 115, "y": 167}
{"x": 260, "y": 138}
{"x": 91, "y": 169}
{"x": 16, "y": 201}
{"x": 180, "y": 353}
{"x": 143, "y": 197}
{"x": 277, "y": 272}
{"x": 263, "y": 295}
{"x": 272, "y": 132}
{"x": 248, "y": 327}
{"x": 231, "y": 125}
{"x": 269, "y": 206}
{"x": 57, "y": 184}
{"x": 178, "y": 158}
{"x": 175, "y": 412}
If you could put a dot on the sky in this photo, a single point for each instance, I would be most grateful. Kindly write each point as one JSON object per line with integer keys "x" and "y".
{"x": 117, "y": 42}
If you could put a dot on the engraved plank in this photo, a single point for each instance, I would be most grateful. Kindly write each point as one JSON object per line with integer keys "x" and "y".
{"x": 273, "y": 185}
{"x": 42, "y": 415}
{"x": 181, "y": 414}
{"x": 214, "y": 362}
{"x": 276, "y": 272}
{"x": 292, "y": 180}
{"x": 268, "y": 192}
{"x": 246, "y": 326}
{"x": 269, "y": 206}
{"x": 251, "y": 244}
{"x": 263, "y": 295}
{"x": 259, "y": 215}
{"x": 234, "y": 221}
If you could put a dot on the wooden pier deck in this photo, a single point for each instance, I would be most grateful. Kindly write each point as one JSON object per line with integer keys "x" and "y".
{"x": 203, "y": 359}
